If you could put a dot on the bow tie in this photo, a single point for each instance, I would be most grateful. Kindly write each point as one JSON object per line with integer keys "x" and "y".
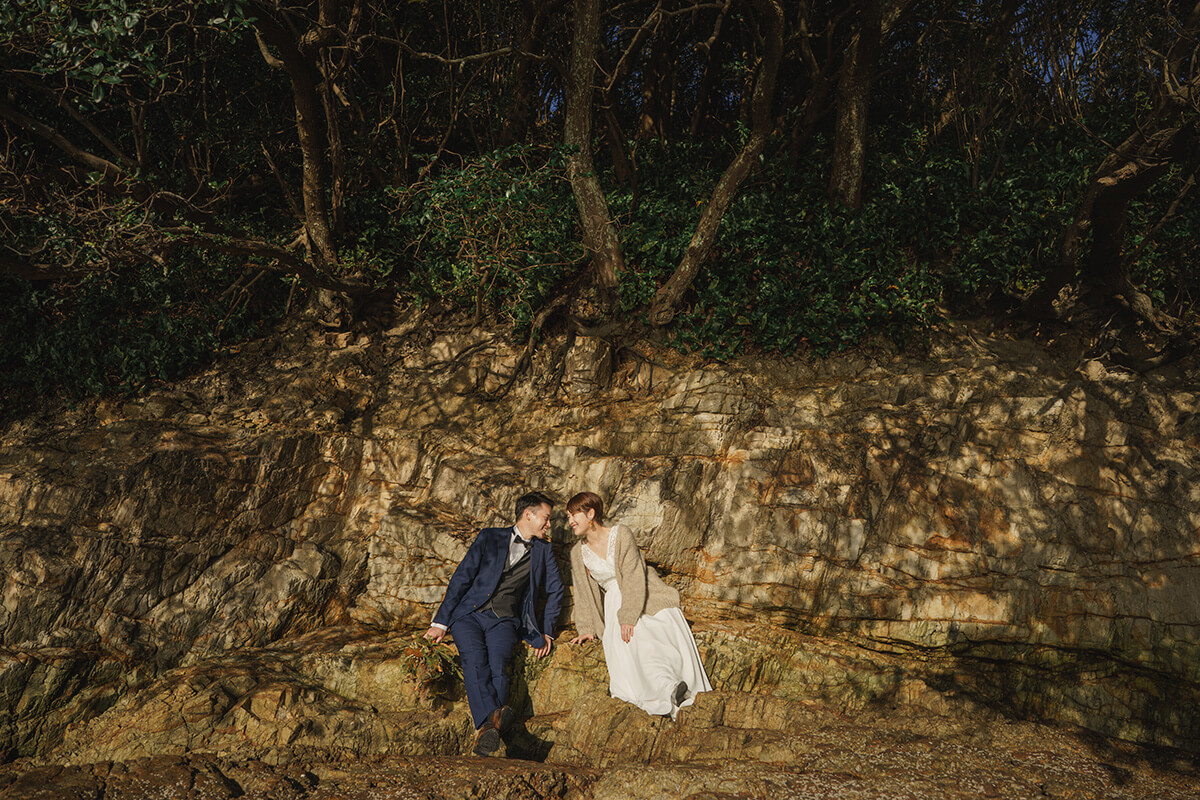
{"x": 520, "y": 541}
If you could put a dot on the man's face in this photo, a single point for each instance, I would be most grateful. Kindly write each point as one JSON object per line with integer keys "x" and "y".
{"x": 539, "y": 518}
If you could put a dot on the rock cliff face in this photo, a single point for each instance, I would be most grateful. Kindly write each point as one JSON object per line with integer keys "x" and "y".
{"x": 234, "y": 565}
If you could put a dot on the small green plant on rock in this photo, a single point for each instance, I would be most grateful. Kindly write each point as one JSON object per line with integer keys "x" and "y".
{"x": 431, "y": 667}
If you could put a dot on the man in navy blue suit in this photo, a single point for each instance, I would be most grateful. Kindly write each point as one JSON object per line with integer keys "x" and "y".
{"x": 491, "y": 602}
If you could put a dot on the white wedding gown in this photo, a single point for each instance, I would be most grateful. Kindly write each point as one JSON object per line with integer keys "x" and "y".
{"x": 660, "y": 654}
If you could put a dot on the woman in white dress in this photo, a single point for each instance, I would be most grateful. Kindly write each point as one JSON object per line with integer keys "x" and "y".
{"x": 651, "y": 656}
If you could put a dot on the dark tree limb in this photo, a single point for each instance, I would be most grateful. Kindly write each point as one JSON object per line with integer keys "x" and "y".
{"x": 536, "y": 15}
{"x": 644, "y": 31}
{"x": 599, "y": 233}
{"x": 91, "y": 127}
{"x": 90, "y": 160}
{"x": 854, "y": 100}
{"x": 666, "y": 301}
{"x": 310, "y": 126}
{"x": 820, "y": 70}
{"x": 284, "y": 261}
{"x": 708, "y": 77}
{"x": 32, "y": 270}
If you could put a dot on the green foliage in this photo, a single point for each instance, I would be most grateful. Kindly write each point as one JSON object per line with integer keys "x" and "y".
{"x": 791, "y": 272}
{"x": 179, "y": 96}
{"x": 98, "y": 44}
{"x": 1164, "y": 247}
{"x": 788, "y": 272}
{"x": 121, "y": 330}
{"x": 496, "y": 234}
{"x": 432, "y": 667}
{"x": 657, "y": 224}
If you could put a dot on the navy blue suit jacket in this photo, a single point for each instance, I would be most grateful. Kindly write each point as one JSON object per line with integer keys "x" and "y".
{"x": 478, "y": 575}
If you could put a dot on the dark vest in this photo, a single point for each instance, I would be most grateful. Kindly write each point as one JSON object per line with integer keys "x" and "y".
{"x": 506, "y": 600}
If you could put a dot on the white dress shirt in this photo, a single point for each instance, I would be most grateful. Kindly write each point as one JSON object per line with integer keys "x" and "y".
{"x": 516, "y": 550}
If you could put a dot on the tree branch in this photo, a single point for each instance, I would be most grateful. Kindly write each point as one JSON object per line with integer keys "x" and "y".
{"x": 453, "y": 62}
{"x": 666, "y": 300}
{"x": 89, "y": 160}
{"x": 31, "y": 271}
{"x": 272, "y": 61}
{"x": 73, "y": 112}
{"x": 286, "y": 262}
{"x": 635, "y": 46}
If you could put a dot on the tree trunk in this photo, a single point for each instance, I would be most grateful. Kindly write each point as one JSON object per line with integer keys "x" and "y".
{"x": 666, "y": 301}
{"x": 519, "y": 118}
{"x": 815, "y": 104}
{"x": 310, "y": 129}
{"x": 623, "y": 169}
{"x": 876, "y": 18}
{"x": 337, "y": 153}
{"x": 599, "y": 233}
{"x": 853, "y": 103}
{"x": 1127, "y": 173}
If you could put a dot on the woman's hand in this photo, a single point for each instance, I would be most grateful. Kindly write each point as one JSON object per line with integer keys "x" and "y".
{"x": 586, "y": 637}
{"x": 626, "y": 633}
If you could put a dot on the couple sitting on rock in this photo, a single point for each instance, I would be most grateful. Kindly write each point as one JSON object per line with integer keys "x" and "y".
{"x": 492, "y": 598}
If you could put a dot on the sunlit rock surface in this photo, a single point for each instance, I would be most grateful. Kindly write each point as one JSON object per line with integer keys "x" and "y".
{"x": 888, "y": 562}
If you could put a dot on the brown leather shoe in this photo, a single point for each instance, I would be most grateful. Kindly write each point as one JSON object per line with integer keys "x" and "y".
{"x": 487, "y": 739}
{"x": 502, "y": 718}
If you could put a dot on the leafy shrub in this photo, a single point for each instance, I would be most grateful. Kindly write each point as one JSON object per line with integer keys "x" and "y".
{"x": 1164, "y": 263}
{"x": 431, "y": 667}
{"x": 789, "y": 271}
{"x": 119, "y": 330}
{"x": 497, "y": 234}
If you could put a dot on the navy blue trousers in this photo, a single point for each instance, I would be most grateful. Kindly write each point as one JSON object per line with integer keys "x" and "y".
{"x": 485, "y": 645}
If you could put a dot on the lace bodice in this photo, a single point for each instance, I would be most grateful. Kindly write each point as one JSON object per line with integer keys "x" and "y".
{"x": 602, "y": 570}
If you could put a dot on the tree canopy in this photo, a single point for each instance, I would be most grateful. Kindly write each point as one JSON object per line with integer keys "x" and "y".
{"x": 789, "y": 175}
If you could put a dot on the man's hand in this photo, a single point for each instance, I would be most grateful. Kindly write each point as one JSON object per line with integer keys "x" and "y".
{"x": 626, "y": 633}
{"x": 586, "y": 637}
{"x": 435, "y": 634}
{"x": 544, "y": 650}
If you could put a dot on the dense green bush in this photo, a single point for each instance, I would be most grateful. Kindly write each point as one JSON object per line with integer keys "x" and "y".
{"x": 789, "y": 272}
{"x": 121, "y": 330}
{"x": 1164, "y": 265}
{"x": 498, "y": 234}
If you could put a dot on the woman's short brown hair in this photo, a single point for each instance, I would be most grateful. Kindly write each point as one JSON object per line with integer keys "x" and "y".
{"x": 587, "y": 501}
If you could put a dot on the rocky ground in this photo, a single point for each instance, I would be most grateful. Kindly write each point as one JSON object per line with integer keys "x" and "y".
{"x": 803, "y": 751}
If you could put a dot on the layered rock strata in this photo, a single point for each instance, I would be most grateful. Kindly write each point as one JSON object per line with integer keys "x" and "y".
{"x": 233, "y": 565}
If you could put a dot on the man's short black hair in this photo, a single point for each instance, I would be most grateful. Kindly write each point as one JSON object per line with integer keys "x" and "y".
{"x": 529, "y": 500}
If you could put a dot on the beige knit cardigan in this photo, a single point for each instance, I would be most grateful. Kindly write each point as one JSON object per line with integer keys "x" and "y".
{"x": 642, "y": 591}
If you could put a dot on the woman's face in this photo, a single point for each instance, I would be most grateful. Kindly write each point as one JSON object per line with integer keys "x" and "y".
{"x": 580, "y": 521}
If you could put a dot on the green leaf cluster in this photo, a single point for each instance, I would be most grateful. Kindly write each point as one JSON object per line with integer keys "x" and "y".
{"x": 121, "y": 330}
{"x": 95, "y": 45}
{"x": 431, "y": 667}
{"x": 497, "y": 234}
